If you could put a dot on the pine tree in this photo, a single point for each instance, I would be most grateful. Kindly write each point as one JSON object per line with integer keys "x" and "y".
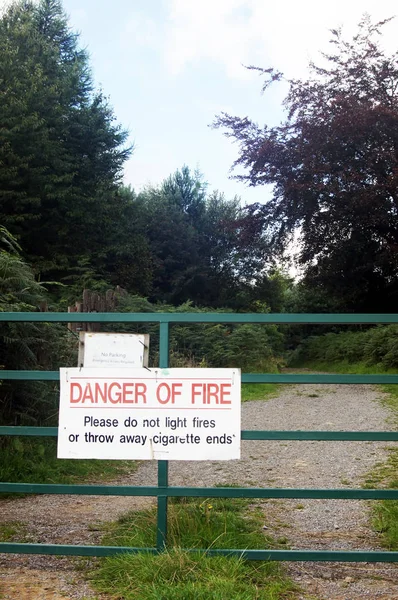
{"x": 61, "y": 152}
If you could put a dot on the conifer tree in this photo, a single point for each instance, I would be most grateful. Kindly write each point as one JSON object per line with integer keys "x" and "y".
{"x": 61, "y": 152}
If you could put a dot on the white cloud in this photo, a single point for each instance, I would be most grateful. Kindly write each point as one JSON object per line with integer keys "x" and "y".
{"x": 215, "y": 30}
{"x": 142, "y": 29}
{"x": 285, "y": 34}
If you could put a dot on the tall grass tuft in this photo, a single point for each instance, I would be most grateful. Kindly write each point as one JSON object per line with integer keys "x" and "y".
{"x": 178, "y": 574}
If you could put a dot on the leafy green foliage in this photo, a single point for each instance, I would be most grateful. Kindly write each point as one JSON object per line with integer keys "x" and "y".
{"x": 23, "y": 345}
{"x": 251, "y": 347}
{"x": 33, "y": 460}
{"x": 61, "y": 157}
{"x": 124, "y": 256}
{"x": 32, "y": 346}
{"x": 377, "y": 346}
{"x": 65, "y": 217}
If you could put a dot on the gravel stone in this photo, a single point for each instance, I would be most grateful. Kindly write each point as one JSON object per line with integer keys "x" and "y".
{"x": 307, "y": 524}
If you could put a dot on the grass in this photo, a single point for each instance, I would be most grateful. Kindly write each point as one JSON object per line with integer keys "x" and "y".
{"x": 385, "y": 512}
{"x": 13, "y": 531}
{"x": 34, "y": 460}
{"x": 383, "y": 475}
{"x": 179, "y": 575}
{"x": 385, "y": 521}
{"x": 359, "y": 368}
{"x": 391, "y": 400}
{"x": 259, "y": 391}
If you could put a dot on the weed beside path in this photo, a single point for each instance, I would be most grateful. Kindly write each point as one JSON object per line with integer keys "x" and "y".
{"x": 176, "y": 574}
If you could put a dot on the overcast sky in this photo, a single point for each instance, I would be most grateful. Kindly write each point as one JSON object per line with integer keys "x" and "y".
{"x": 170, "y": 66}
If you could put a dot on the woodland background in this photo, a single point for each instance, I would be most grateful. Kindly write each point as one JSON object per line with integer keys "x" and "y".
{"x": 67, "y": 222}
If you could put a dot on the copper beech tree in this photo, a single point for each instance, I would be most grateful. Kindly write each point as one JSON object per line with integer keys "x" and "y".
{"x": 333, "y": 165}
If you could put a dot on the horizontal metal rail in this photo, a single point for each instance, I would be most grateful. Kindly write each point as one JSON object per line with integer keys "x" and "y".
{"x": 288, "y": 318}
{"x": 163, "y": 491}
{"x": 198, "y": 492}
{"x": 274, "y": 555}
{"x": 246, "y": 377}
{"x": 354, "y": 436}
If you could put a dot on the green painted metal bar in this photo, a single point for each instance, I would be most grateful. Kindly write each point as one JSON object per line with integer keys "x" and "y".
{"x": 30, "y": 375}
{"x": 308, "y": 378}
{"x": 198, "y": 492}
{"x": 367, "y": 436}
{"x": 289, "y": 318}
{"x": 246, "y": 377}
{"x": 354, "y": 436}
{"x": 164, "y": 344}
{"x": 163, "y": 491}
{"x": 274, "y": 555}
{"x": 29, "y": 431}
{"x": 163, "y": 465}
{"x": 163, "y": 481}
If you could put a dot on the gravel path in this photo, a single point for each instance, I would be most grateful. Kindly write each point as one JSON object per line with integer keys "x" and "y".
{"x": 317, "y": 524}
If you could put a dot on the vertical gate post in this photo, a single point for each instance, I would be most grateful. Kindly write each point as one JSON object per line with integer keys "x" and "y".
{"x": 163, "y": 465}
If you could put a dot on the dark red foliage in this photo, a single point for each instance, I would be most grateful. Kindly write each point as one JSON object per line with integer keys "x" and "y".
{"x": 333, "y": 165}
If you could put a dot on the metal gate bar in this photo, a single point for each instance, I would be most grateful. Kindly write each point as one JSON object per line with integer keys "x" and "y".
{"x": 163, "y": 491}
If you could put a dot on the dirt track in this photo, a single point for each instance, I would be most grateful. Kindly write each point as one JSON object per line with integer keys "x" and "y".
{"x": 320, "y": 524}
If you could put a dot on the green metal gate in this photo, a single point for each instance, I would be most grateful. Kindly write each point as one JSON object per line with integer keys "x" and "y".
{"x": 163, "y": 491}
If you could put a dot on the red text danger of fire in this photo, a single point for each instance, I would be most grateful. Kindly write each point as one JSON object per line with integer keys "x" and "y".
{"x": 166, "y": 393}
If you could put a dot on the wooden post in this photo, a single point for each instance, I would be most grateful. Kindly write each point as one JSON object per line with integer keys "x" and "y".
{"x": 94, "y": 302}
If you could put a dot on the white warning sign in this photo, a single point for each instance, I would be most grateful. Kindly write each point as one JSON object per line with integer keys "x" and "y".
{"x": 103, "y": 350}
{"x": 162, "y": 414}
